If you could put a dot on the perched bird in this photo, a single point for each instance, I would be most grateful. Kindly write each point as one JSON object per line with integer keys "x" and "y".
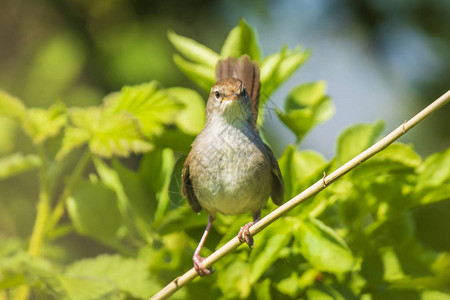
{"x": 230, "y": 169}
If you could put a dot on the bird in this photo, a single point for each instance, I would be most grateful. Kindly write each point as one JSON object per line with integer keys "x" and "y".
{"x": 229, "y": 169}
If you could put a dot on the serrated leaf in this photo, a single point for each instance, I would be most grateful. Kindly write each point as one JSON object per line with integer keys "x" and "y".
{"x": 18, "y": 163}
{"x": 108, "y": 134}
{"x": 191, "y": 118}
{"x": 356, "y": 139}
{"x": 41, "y": 124}
{"x": 73, "y": 138}
{"x": 127, "y": 274}
{"x": 151, "y": 106}
{"x": 193, "y": 50}
{"x": 241, "y": 40}
{"x": 202, "y": 75}
{"x": 93, "y": 209}
{"x": 11, "y": 106}
{"x": 278, "y": 67}
{"x": 323, "y": 248}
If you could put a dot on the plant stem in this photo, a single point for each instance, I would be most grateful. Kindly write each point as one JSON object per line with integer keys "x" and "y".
{"x": 58, "y": 211}
{"x": 43, "y": 210}
{"x": 43, "y": 207}
{"x": 182, "y": 280}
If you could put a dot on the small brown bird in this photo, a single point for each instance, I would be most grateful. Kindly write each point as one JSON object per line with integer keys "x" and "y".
{"x": 230, "y": 169}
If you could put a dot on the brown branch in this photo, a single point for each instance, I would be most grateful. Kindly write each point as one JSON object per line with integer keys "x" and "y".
{"x": 180, "y": 281}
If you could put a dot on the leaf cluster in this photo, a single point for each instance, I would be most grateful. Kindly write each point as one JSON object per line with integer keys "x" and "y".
{"x": 359, "y": 238}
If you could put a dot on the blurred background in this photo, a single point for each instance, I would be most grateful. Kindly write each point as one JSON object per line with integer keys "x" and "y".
{"x": 381, "y": 60}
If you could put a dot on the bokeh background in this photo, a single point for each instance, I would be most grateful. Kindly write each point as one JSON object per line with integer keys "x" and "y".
{"x": 381, "y": 60}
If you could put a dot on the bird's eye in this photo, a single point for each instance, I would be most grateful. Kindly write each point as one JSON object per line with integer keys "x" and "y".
{"x": 217, "y": 95}
{"x": 244, "y": 92}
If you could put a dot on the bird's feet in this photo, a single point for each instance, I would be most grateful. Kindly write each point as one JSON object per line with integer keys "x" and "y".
{"x": 244, "y": 234}
{"x": 198, "y": 266}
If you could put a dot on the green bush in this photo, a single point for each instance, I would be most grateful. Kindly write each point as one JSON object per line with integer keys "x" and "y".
{"x": 362, "y": 237}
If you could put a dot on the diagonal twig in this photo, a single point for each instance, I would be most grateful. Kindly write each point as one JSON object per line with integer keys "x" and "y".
{"x": 321, "y": 184}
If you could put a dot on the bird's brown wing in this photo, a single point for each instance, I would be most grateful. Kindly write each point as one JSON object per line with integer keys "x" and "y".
{"x": 277, "y": 179}
{"x": 246, "y": 71}
{"x": 187, "y": 189}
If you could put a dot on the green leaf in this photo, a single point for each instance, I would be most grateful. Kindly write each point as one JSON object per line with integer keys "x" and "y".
{"x": 241, "y": 40}
{"x": 204, "y": 76}
{"x": 276, "y": 238}
{"x": 330, "y": 292}
{"x": 299, "y": 169}
{"x": 150, "y": 105}
{"x": 18, "y": 163}
{"x": 277, "y": 68}
{"x": 41, "y": 124}
{"x": 83, "y": 288}
{"x": 140, "y": 197}
{"x": 94, "y": 211}
{"x": 156, "y": 171}
{"x": 11, "y": 106}
{"x": 234, "y": 280}
{"x": 73, "y": 138}
{"x": 305, "y": 107}
{"x": 108, "y": 134}
{"x": 262, "y": 290}
{"x": 397, "y": 157}
{"x": 192, "y": 117}
{"x": 323, "y": 248}
{"x": 193, "y": 50}
{"x": 126, "y": 274}
{"x": 435, "y": 170}
{"x": 356, "y": 139}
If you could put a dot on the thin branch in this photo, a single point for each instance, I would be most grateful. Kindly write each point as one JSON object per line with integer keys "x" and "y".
{"x": 180, "y": 281}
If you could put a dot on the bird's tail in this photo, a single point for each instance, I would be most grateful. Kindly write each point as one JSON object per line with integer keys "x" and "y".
{"x": 246, "y": 71}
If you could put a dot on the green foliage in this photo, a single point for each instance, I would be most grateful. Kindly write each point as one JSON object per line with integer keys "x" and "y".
{"x": 357, "y": 239}
{"x": 308, "y": 103}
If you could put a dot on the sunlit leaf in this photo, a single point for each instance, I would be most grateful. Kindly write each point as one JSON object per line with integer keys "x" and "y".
{"x": 306, "y": 106}
{"x": 356, "y": 139}
{"x": 11, "y": 106}
{"x": 277, "y": 68}
{"x": 107, "y": 134}
{"x": 395, "y": 158}
{"x": 41, "y": 124}
{"x": 148, "y": 103}
{"x": 18, "y": 163}
{"x": 323, "y": 248}
{"x": 193, "y": 50}
{"x": 435, "y": 170}
{"x": 191, "y": 118}
{"x": 299, "y": 169}
{"x": 204, "y": 76}
{"x": 241, "y": 40}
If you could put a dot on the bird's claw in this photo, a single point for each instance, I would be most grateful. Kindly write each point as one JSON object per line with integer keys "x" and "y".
{"x": 198, "y": 266}
{"x": 244, "y": 234}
